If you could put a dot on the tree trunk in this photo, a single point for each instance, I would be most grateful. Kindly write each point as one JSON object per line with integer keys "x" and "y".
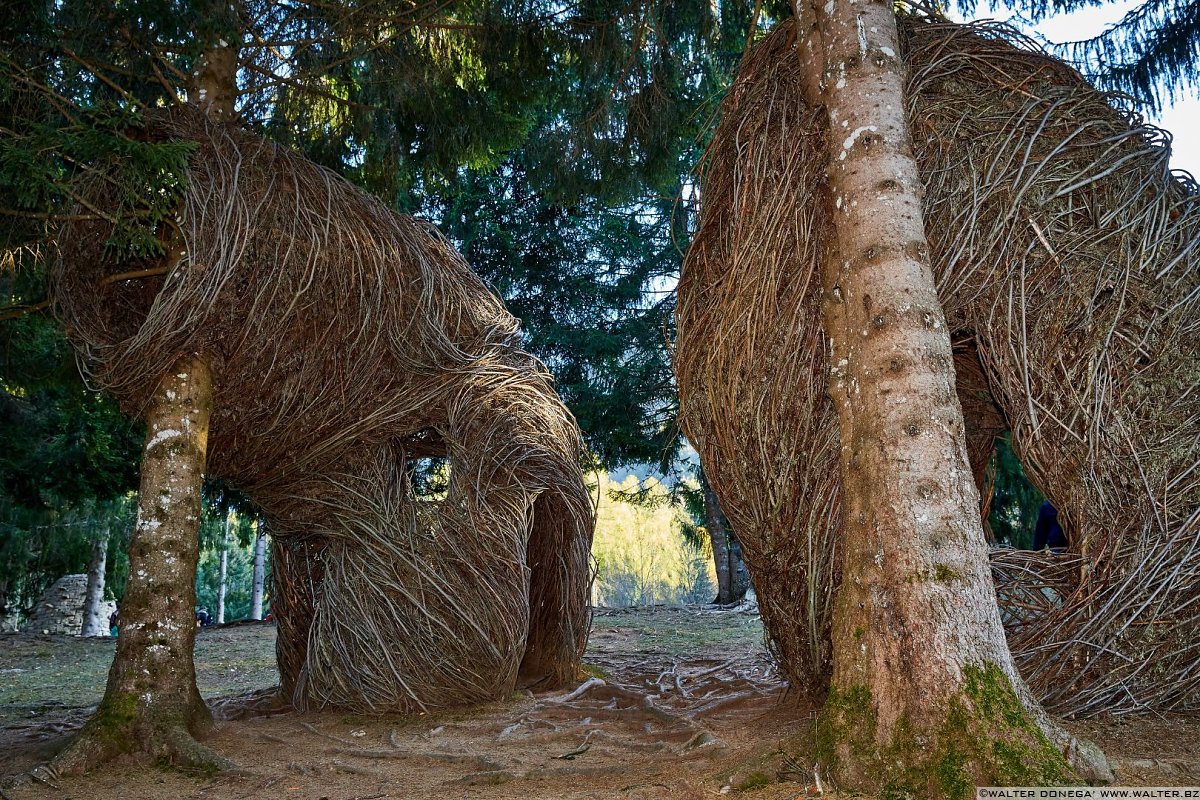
{"x": 714, "y": 520}
{"x": 151, "y": 703}
{"x": 925, "y": 699}
{"x": 260, "y": 563}
{"x": 739, "y": 574}
{"x": 733, "y": 579}
{"x": 95, "y": 622}
{"x": 223, "y": 572}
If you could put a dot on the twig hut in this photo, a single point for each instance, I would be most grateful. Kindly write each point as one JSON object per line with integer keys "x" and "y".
{"x": 347, "y": 342}
{"x": 1066, "y": 255}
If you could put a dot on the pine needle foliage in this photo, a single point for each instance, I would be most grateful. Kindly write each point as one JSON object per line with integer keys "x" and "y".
{"x": 591, "y": 285}
{"x": 1152, "y": 53}
{"x": 592, "y": 112}
{"x": 71, "y": 100}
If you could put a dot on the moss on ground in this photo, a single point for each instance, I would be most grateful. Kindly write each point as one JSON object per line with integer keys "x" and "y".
{"x": 592, "y": 671}
{"x": 754, "y": 781}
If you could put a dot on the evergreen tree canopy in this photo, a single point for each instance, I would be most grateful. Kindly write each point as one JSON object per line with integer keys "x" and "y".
{"x": 61, "y": 444}
{"x": 68, "y": 459}
{"x": 570, "y": 128}
{"x": 602, "y": 96}
{"x": 1151, "y": 53}
{"x": 592, "y": 286}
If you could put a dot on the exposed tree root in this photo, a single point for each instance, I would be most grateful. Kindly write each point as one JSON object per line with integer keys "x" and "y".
{"x": 184, "y": 751}
{"x": 257, "y": 703}
{"x": 94, "y": 746}
{"x": 1084, "y": 756}
{"x": 308, "y": 726}
{"x": 496, "y": 777}
{"x": 474, "y": 759}
{"x": 351, "y": 769}
{"x": 488, "y": 778}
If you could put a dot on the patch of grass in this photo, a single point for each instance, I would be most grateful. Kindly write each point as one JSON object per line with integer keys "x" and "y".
{"x": 593, "y": 671}
{"x": 235, "y": 660}
{"x": 43, "y": 674}
{"x": 39, "y": 672}
{"x": 682, "y": 632}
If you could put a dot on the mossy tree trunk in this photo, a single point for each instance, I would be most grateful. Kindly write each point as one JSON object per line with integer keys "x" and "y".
{"x": 151, "y": 704}
{"x": 925, "y": 699}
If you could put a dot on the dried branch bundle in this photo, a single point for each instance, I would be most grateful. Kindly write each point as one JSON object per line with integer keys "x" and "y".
{"x": 1066, "y": 255}
{"x": 347, "y": 341}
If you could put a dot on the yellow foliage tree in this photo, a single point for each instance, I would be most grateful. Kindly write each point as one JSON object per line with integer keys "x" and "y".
{"x": 642, "y": 556}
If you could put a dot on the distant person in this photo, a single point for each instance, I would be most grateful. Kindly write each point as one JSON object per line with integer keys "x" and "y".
{"x": 1048, "y": 532}
{"x": 114, "y": 620}
{"x": 203, "y": 618}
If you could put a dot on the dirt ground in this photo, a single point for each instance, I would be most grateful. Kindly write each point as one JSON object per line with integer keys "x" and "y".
{"x": 682, "y": 704}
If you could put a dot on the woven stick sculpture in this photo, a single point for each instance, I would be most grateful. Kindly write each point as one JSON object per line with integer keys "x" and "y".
{"x": 1066, "y": 255}
{"x": 346, "y": 342}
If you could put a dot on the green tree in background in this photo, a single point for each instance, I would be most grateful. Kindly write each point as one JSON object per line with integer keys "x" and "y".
{"x": 1015, "y": 501}
{"x": 239, "y": 551}
{"x": 1151, "y": 53}
{"x": 67, "y": 463}
{"x": 591, "y": 284}
{"x": 60, "y": 442}
{"x": 568, "y": 200}
{"x": 227, "y": 527}
{"x": 643, "y": 556}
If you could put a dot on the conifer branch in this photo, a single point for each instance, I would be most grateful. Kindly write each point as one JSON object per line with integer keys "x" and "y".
{"x": 16, "y": 312}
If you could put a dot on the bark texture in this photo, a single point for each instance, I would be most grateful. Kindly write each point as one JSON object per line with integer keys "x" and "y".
{"x": 739, "y": 573}
{"x": 733, "y": 580}
{"x": 260, "y": 564}
{"x": 719, "y": 536}
{"x": 95, "y": 622}
{"x": 151, "y": 703}
{"x": 925, "y": 700}
{"x": 223, "y": 570}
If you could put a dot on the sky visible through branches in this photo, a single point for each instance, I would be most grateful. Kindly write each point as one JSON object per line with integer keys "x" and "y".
{"x": 1180, "y": 116}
